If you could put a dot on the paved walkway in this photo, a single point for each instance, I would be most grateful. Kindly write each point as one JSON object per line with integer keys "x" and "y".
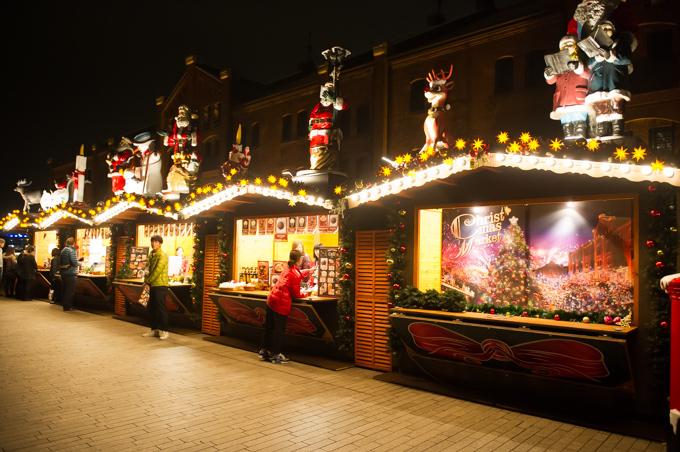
{"x": 80, "y": 381}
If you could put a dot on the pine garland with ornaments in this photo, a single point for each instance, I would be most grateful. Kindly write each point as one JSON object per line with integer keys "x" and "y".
{"x": 395, "y": 257}
{"x": 225, "y": 241}
{"x": 200, "y": 230}
{"x": 659, "y": 206}
{"x": 124, "y": 272}
{"x": 344, "y": 337}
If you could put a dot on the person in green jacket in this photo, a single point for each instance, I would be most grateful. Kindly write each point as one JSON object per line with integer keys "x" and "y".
{"x": 156, "y": 282}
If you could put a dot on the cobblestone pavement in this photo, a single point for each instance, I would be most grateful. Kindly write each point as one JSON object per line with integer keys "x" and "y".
{"x": 74, "y": 381}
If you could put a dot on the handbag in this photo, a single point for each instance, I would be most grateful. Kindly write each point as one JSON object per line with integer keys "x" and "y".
{"x": 144, "y": 297}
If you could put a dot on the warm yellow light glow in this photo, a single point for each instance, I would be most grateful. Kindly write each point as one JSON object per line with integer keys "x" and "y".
{"x": 639, "y": 153}
{"x": 503, "y": 137}
{"x": 621, "y": 153}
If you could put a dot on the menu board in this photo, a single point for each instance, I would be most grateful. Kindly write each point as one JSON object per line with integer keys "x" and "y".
{"x": 139, "y": 256}
{"x": 263, "y": 271}
{"x": 277, "y": 269}
{"x": 329, "y": 272}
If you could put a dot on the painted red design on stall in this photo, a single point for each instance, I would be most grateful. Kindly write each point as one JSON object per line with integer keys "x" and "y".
{"x": 130, "y": 295}
{"x": 549, "y": 357}
{"x": 170, "y": 305}
{"x": 299, "y": 323}
{"x": 242, "y": 313}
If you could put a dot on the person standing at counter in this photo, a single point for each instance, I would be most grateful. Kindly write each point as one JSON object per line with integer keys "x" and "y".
{"x": 68, "y": 269}
{"x": 306, "y": 262}
{"x": 279, "y": 302}
{"x": 27, "y": 267}
{"x": 55, "y": 282}
{"x": 10, "y": 274}
{"x": 157, "y": 283}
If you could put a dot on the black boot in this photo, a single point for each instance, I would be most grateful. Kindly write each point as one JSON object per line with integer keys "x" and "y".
{"x": 617, "y": 127}
{"x": 603, "y": 129}
{"x": 567, "y": 129}
{"x": 581, "y": 129}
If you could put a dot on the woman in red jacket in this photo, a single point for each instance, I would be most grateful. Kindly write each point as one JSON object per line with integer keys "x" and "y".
{"x": 279, "y": 302}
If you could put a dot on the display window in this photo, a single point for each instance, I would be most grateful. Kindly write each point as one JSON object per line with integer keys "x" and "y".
{"x": 572, "y": 255}
{"x": 45, "y": 242}
{"x": 178, "y": 244}
{"x": 92, "y": 245}
{"x": 267, "y": 241}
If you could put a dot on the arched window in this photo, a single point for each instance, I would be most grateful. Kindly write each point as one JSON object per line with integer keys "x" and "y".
{"x": 286, "y": 132}
{"x": 302, "y": 127}
{"x": 505, "y": 77}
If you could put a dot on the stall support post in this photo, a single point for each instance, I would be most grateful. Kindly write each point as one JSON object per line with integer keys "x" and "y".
{"x": 674, "y": 292}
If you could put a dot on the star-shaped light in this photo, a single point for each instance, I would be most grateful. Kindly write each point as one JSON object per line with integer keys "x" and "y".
{"x": 177, "y": 206}
{"x": 199, "y": 191}
{"x": 556, "y": 145}
{"x": 460, "y": 144}
{"x": 273, "y": 187}
{"x": 271, "y": 179}
{"x": 291, "y": 202}
{"x": 593, "y": 144}
{"x": 533, "y": 144}
{"x": 424, "y": 156}
{"x": 407, "y": 158}
{"x": 302, "y": 193}
{"x": 193, "y": 196}
{"x": 228, "y": 177}
{"x": 412, "y": 173}
{"x": 386, "y": 171}
{"x": 639, "y": 154}
{"x": 477, "y": 144}
{"x": 621, "y": 153}
{"x": 283, "y": 182}
{"x": 514, "y": 147}
{"x": 399, "y": 160}
{"x": 657, "y": 166}
{"x": 430, "y": 152}
{"x": 219, "y": 185}
{"x": 449, "y": 161}
{"x": 232, "y": 171}
{"x": 337, "y": 190}
{"x": 243, "y": 182}
{"x": 258, "y": 181}
{"x": 525, "y": 137}
{"x": 503, "y": 137}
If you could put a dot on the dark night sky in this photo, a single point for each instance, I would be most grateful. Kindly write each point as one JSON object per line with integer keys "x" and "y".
{"x": 80, "y": 72}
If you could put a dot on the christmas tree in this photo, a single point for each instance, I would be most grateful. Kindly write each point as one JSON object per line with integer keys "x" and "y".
{"x": 512, "y": 281}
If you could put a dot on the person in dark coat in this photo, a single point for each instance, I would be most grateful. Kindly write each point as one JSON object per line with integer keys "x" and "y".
{"x": 10, "y": 274}
{"x": 27, "y": 268}
{"x": 55, "y": 280}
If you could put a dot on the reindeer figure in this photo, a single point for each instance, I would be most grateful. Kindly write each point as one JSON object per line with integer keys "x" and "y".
{"x": 31, "y": 197}
{"x": 437, "y": 94}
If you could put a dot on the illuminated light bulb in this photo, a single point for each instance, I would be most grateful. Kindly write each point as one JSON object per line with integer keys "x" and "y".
{"x": 533, "y": 160}
{"x": 460, "y": 161}
{"x": 550, "y": 162}
{"x": 516, "y": 159}
{"x": 500, "y": 157}
{"x": 646, "y": 170}
{"x": 355, "y": 197}
{"x": 434, "y": 172}
{"x": 668, "y": 172}
{"x": 625, "y": 169}
{"x": 568, "y": 163}
{"x": 606, "y": 167}
{"x": 586, "y": 165}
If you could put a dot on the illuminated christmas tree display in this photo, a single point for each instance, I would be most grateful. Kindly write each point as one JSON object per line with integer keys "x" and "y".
{"x": 512, "y": 281}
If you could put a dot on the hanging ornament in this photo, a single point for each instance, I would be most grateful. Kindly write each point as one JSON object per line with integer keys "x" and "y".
{"x": 652, "y": 187}
{"x": 389, "y": 276}
{"x": 402, "y": 212}
{"x": 390, "y": 261}
{"x": 586, "y": 319}
{"x": 492, "y": 311}
{"x": 655, "y": 212}
{"x": 345, "y": 277}
{"x": 198, "y": 226}
{"x": 659, "y": 264}
{"x": 617, "y": 320}
{"x": 393, "y": 250}
{"x": 525, "y": 314}
{"x": 390, "y": 304}
{"x": 224, "y": 255}
{"x": 651, "y": 243}
{"x": 397, "y": 296}
{"x": 557, "y": 317}
{"x": 392, "y": 231}
{"x": 402, "y": 248}
{"x": 343, "y": 251}
{"x": 348, "y": 265}
{"x": 664, "y": 325}
{"x": 608, "y": 320}
{"x": 402, "y": 226}
{"x": 348, "y": 318}
{"x": 396, "y": 286}
{"x": 659, "y": 252}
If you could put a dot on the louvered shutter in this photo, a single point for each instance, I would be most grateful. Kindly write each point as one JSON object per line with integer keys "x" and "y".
{"x": 209, "y": 323}
{"x": 118, "y": 298}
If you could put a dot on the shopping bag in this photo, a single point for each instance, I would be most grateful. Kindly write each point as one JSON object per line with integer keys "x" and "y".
{"x": 144, "y": 297}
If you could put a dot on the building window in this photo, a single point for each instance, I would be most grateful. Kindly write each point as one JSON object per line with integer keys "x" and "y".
{"x": 286, "y": 131}
{"x": 661, "y": 139}
{"x": 505, "y": 79}
{"x": 535, "y": 67}
{"x": 418, "y": 102}
{"x": 217, "y": 112}
{"x": 255, "y": 136}
{"x": 343, "y": 122}
{"x": 302, "y": 124}
{"x": 660, "y": 45}
{"x": 363, "y": 119}
{"x": 206, "y": 116}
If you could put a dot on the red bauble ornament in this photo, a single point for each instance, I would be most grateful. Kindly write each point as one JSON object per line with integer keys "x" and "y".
{"x": 223, "y": 275}
{"x": 348, "y": 318}
{"x": 193, "y": 268}
{"x": 655, "y": 212}
{"x": 402, "y": 226}
{"x": 525, "y": 314}
{"x": 664, "y": 325}
{"x": 608, "y": 320}
{"x": 198, "y": 226}
{"x": 389, "y": 276}
{"x": 557, "y": 317}
{"x": 651, "y": 243}
{"x": 390, "y": 304}
{"x": 652, "y": 187}
{"x": 224, "y": 235}
{"x": 396, "y": 286}
{"x": 493, "y": 311}
{"x": 345, "y": 276}
{"x": 392, "y": 231}
{"x": 224, "y": 255}
{"x": 402, "y": 248}
{"x": 660, "y": 264}
{"x": 343, "y": 251}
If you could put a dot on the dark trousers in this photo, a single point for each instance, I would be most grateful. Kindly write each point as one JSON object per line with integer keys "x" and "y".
{"x": 10, "y": 282}
{"x": 56, "y": 287}
{"x": 158, "y": 311}
{"x": 24, "y": 289}
{"x": 274, "y": 328}
{"x": 68, "y": 289}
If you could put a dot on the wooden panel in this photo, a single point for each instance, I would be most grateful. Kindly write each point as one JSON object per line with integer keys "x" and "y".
{"x": 118, "y": 299}
{"x": 209, "y": 322}
{"x": 429, "y": 250}
{"x": 372, "y": 285}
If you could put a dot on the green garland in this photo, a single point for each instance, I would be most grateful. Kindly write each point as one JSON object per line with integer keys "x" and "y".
{"x": 124, "y": 272}
{"x": 344, "y": 337}
{"x": 396, "y": 261}
{"x": 225, "y": 240}
{"x": 200, "y": 230}
{"x": 658, "y": 206}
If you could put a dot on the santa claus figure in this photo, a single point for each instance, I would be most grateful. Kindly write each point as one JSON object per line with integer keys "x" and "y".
{"x": 119, "y": 161}
{"x": 183, "y": 135}
{"x": 324, "y": 138}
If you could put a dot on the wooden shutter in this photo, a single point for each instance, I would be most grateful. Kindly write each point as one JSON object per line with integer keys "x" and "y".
{"x": 370, "y": 336}
{"x": 209, "y": 323}
{"x": 118, "y": 298}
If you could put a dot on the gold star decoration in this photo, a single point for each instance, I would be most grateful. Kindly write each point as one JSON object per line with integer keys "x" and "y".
{"x": 258, "y": 181}
{"x": 399, "y": 160}
{"x": 525, "y": 137}
{"x": 219, "y": 186}
{"x": 271, "y": 179}
{"x": 639, "y": 153}
{"x": 338, "y": 190}
{"x": 412, "y": 173}
{"x": 177, "y": 206}
{"x": 533, "y": 144}
{"x": 477, "y": 144}
{"x": 657, "y": 166}
{"x": 407, "y": 158}
{"x": 273, "y": 187}
{"x": 514, "y": 147}
{"x": 243, "y": 182}
{"x": 593, "y": 144}
{"x": 556, "y": 145}
{"x": 228, "y": 177}
{"x": 302, "y": 193}
{"x": 232, "y": 171}
{"x": 449, "y": 161}
{"x": 283, "y": 182}
{"x": 291, "y": 202}
{"x": 503, "y": 137}
{"x": 199, "y": 191}
{"x": 424, "y": 156}
{"x": 386, "y": 171}
{"x": 460, "y": 144}
{"x": 621, "y": 153}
